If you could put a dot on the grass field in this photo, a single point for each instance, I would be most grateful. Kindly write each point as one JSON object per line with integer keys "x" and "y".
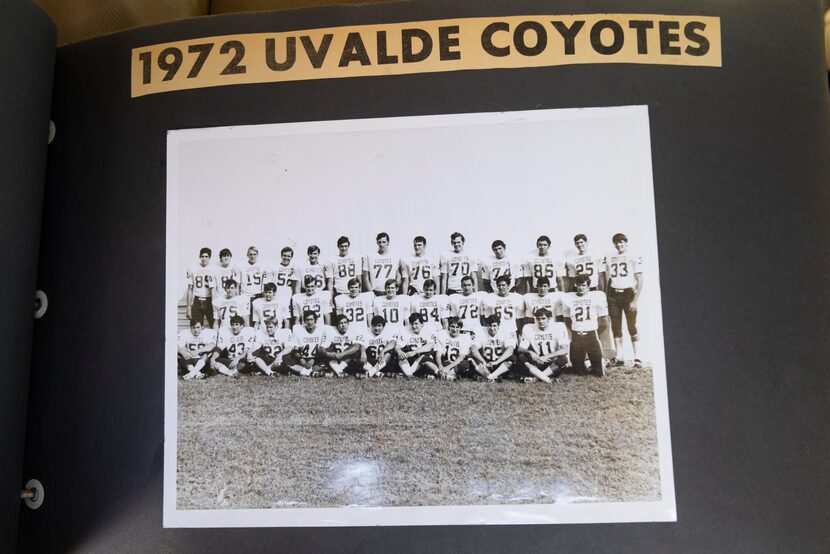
{"x": 260, "y": 442}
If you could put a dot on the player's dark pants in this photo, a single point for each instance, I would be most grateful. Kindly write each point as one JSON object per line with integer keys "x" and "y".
{"x": 520, "y": 370}
{"x": 242, "y": 366}
{"x": 353, "y": 364}
{"x": 463, "y": 369}
{"x": 619, "y": 303}
{"x": 185, "y": 365}
{"x": 511, "y": 361}
{"x": 422, "y": 369}
{"x": 202, "y": 309}
{"x": 583, "y": 343}
{"x": 287, "y": 360}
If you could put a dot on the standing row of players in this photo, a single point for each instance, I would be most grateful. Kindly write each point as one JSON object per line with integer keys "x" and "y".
{"x": 257, "y": 293}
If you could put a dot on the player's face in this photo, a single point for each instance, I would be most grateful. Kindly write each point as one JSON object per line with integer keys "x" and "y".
{"x": 581, "y": 288}
{"x": 457, "y": 244}
{"x": 429, "y": 292}
{"x": 269, "y": 295}
{"x": 196, "y": 329}
{"x": 499, "y": 251}
{"x": 270, "y": 327}
{"x": 467, "y": 287}
{"x": 502, "y": 287}
{"x": 454, "y": 329}
{"x": 354, "y": 290}
{"x": 343, "y": 325}
{"x": 543, "y": 247}
{"x": 285, "y": 257}
{"x": 391, "y": 290}
{"x": 230, "y": 291}
{"x": 311, "y": 287}
{"x": 416, "y": 325}
{"x": 225, "y": 261}
{"x": 310, "y": 322}
{"x": 419, "y": 247}
{"x": 621, "y": 246}
{"x": 236, "y": 328}
{"x": 493, "y": 329}
{"x": 581, "y": 245}
{"x": 343, "y": 249}
{"x": 377, "y": 329}
{"x": 542, "y": 321}
{"x": 313, "y": 257}
{"x": 383, "y": 244}
{"x": 543, "y": 289}
{"x": 252, "y": 256}
{"x": 204, "y": 259}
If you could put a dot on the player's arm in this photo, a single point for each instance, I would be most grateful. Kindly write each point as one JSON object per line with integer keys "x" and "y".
{"x": 602, "y": 283}
{"x": 443, "y": 266}
{"x": 428, "y": 347}
{"x": 184, "y": 352}
{"x": 209, "y": 347}
{"x": 507, "y": 353}
{"x": 638, "y": 286}
{"x": 367, "y": 274}
{"x": 476, "y": 355}
{"x": 403, "y": 277}
{"x": 388, "y": 347}
{"x": 189, "y": 299}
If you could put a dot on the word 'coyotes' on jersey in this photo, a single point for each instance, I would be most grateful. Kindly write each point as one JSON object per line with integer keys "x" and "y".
{"x": 585, "y": 311}
{"x": 344, "y": 268}
{"x": 253, "y": 278}
{"x": 221, "y": 275}
{"x": 319, "y": 303}
{"x": 224, "y": 308}
{"x": 264, "y": 310}
{"x": 275, "y": 344}
{"x": 552, "y": 301}
{"x": 359, "y": 309}
{"x": 237, "y": 345}
{"x": 584, "y": 264}
{"x": 394, "y": 310}
{"x": 544, "y": 342}
{"x": 201, "y": 279}
{"x": 542, "y": 266}
{"x": 494, "y": 268}
{"x": 410, "y": 339}
{"x": 493, "y": 346}
{"x": 382, "y": 267}
{"x": 620, "y": 269}
{"x": 467, "y": 308}
{"x": 196, "y": 344}
{"x": 340, "y": 342}
{"x": 376, "y": 343}
{"x": 421, "y": 268}
{"x": 308, "y": 342}
{"x": 319, "y": 271}
{"x": 451, "y": 348}
{"x": 456, "y": 266}
{"x": 283, "y": 276}
{"x": 508, "y": 308}
{"x": 434, "y": 309}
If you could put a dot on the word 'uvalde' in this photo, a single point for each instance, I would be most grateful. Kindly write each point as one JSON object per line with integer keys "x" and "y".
{"x": 498, "y": 39}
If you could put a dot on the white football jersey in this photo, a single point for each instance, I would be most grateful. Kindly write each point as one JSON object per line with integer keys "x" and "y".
{"x": 196, "y": 343}
{"x": 284, "y": 276}
{"x": 585, "y": 311}
{"x": 586, "y": 264}
{"x": 319, "y": 303}
{"x": 376, "y": 343}
{"x": 451, "y": 348}
{"x": 456, "y": 266}
{"x": 343, "y": 269}
{"x": 434, "y": 309}
{"x": 493, "y": 268}
{"x": 264, "y": 310}
{"x": 492, "y": 347}
{"x": 410, "y": 339}
{"x": 421, "y": 268}
{"x": 355, "y": 334}
{"x": 382, "y": 267}
{"x": 308, "y": 343}
{"x": 552, "y": 301}
{"x": 237, "y": 345}
{"x": 253, "y": 278}
{"x": 395, "y": 310}
{"x": 359, "y": 309}
{"x": 201, "y": 279}
{"x": 544, "y": 342}
{"x": 225, "y": 308}
{"x": 281, "y": 340}
{"x": 620, "y": 269}
{"x": 320, "y": 272}
{"x": 222, "y": 274}
{"x": 543, "y": 266}
{"x": 508, "y": 308}
{"x": 467, "y": 308}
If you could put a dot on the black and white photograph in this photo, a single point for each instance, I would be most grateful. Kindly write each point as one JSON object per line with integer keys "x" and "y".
{"x": 431, "y": 320}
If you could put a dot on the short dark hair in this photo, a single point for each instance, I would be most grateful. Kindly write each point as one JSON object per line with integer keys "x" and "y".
{"x": 580, "y": 236}
{"x": 416, "y": 316}
{"x": 542, "y": 281}
{"x": 467, "y": 278}
{"x": 308, "y": 279}
{"x": 378, "y": 320}
{"x": 225, "y": 252}
{"x": 419, "y": 238}
{"x": 457, "y": 235}
{"x": 390, "y": 282}
{"x": 205, "y": 250}
{"x": 455, "y": 321}
{"x": 619, "y": 237}
{"x": 582, "y": 278}
{"x": 308, "y": 313}
{"x": 343, "y": 240}
{"x": 237, "y": 319}
{"x": 381, "y": 235}
{"x": 542, "y": 311}
{"x": 492, "y": 319}
{"x": 313, "y": 248}
{"x": 287, "y": 249}
{"x": 353, "y": 281}
{"x": 429, "y": 283}
{"x": 503, "y": 279}
{"x": 543, "y": 238}
{"x": 194, "y": 322}
{"x": 497, "y": 242}
{"x": 253, "y": 249}
{"x": 269, "y": 286}
{"x": 340, "y": 317}
{"x": 230, "y": 282}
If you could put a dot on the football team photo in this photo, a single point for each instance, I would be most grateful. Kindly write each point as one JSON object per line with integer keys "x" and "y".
{"x": 420, "y": 320}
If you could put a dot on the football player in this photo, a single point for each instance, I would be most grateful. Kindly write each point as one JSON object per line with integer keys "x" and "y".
{"x": 253, "y": 275}
{"x": 622, "y": 281}
{"x": 311, "y": 300}
{"x": 313, "y": 266}
{"x": 229, "y": 305}
{"x": 267, "y": 307}
{"x": 344, "y": 267}
{"x": 195, "y": 347}
{"x": 378, "y": 347}
{"x": 451, "y": 351}
{"x": 544, "y": 346}
{"x": 421, "y": 266}
{"x": 586, "y": 313}
{"x": 509, "y": 306}
{"x": 346, "y": 345}
{"x": 380, "y": 266}
{"x": 311, "y": 340}
{"x": 393, "y": 307}
{"x": 543, "y": 264}
{"x": 224, "y": 271}
{"x": 357, "y": 306}
{"x": 434, "y": 307}
{"x": 467, "y": 307}
{"x": 493, "y": 351}
{"x": 284, "y": 274}
{"x": 416, "y": 346}
{"x": 543, "y": 298}
{"x": 582, "y": 262}
{"x": 455, "y": 265}
{"x": 234, "y": 348}
{"x": 500, "y": 264}
{"x": 275, "y": 347}
{"x": 199, "y": 305}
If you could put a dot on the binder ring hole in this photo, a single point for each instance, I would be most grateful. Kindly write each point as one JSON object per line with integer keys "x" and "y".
{"x": 41, "y": 303}
{"x": 34, "y": 488}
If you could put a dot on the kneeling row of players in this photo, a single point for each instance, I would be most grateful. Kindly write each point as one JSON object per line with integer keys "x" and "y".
{"x": 420, "y": 350}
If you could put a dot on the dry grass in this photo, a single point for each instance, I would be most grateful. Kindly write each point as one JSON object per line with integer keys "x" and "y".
{"x": 258, "y": 442}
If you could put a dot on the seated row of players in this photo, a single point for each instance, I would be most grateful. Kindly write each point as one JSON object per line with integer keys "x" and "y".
{"x": 440, "y": 287}
{"x": 541, "y": 351}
